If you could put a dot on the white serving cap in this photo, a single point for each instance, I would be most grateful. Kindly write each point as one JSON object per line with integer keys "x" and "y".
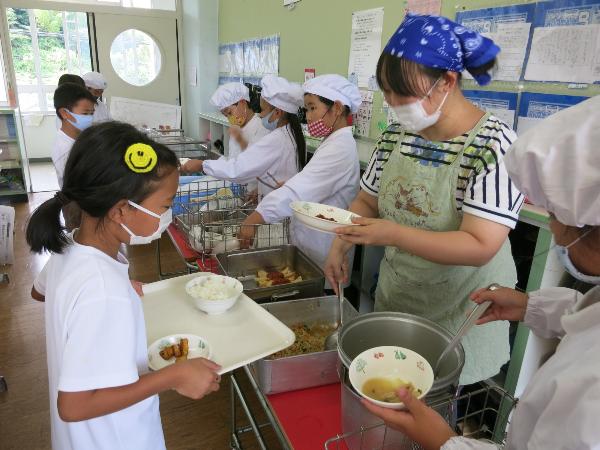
{"x": 95, "y": 80}
{"x": 281, "y": 93}
{"x": 335, "y": 87}
{"x": 230, "y": 93}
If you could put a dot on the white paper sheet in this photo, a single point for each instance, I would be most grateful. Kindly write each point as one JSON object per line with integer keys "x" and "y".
{"x": 425, "y": 6}
{"x": 365, "y": 46}
{"x": 565, "y": 53}
{"x": 145, "y": 114}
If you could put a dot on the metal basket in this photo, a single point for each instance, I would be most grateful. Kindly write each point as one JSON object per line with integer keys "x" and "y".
{"x": 184, "y": 147}
{"x": 210, "y": 214}
{"x": 482, "y": 414}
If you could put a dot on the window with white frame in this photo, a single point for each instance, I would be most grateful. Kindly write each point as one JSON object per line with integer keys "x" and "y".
{"x": 3, "y": 93}
{"x": 46, "y": 44}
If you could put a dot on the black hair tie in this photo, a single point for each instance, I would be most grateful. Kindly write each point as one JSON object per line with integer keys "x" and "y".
{"x": 62, "y": 198}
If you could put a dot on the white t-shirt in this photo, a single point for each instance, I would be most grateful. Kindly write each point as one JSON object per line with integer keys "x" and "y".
{"x": 60, "y": 153}
{"x": 95, "y": 339}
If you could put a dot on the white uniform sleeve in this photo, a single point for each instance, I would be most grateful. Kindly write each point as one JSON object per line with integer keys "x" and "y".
{"x": 100, "y": 348}
{"x": 490, "y": 193}
{"x": 463, "y": 443}
{"x": 545, "y": 309}
{"x": 39, "y": 284}
{"x": 249, "y": 164}
{"x": 319, "y": 178}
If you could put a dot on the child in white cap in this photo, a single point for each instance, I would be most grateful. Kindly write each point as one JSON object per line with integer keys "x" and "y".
{"x": 96, "y": 84}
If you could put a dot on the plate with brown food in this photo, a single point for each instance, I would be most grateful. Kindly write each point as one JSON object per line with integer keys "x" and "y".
{"x": 321, "y": 217}
{"x": 177, "y": 348}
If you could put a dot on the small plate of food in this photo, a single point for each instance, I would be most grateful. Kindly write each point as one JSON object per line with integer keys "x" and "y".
{"x": 378, "y": 373}
{"x": 176, "y": 348}
{"x": 322, "y": 217}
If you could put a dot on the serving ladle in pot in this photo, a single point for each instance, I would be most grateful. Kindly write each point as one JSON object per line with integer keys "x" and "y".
{"x": 332, "y": 340}
{"x": 464, "y": 329}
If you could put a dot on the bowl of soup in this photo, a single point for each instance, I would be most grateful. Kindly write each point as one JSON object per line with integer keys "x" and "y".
{"x": 378, "y": 373}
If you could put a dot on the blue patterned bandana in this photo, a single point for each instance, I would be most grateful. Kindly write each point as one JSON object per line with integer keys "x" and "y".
{"x": 440, "y": 43}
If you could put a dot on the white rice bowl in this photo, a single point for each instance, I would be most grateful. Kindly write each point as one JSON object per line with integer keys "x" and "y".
{"x": 214, "y": 294}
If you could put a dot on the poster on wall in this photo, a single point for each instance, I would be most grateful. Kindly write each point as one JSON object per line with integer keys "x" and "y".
{"x": 510, "y": 28}
{"x": 365, "y": 47}
{"x": 362, "y": 118}
{"x": 424, "y": 6}
{"x": 536, "y": 107}
{"x": 145, "y": 114}
{"x": 566, "y": 42}
{"x": 503, "y": 105}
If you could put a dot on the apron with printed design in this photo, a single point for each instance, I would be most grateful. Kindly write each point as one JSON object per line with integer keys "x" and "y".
{"x": 423, "y": 196}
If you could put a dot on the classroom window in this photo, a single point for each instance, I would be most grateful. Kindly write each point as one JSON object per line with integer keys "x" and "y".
{"x": 3, "y": 89}
{"x": 45, "y": 44}
{"x": 135, "y": 57}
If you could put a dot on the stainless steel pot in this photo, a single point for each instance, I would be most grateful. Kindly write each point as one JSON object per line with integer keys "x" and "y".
{"x": 404, "y": 330}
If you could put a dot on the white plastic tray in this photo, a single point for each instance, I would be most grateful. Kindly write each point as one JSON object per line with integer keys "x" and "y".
{"x": 240, "y": 336}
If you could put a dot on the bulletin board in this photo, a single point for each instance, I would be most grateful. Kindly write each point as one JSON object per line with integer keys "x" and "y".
{"x": 316, "y": 34}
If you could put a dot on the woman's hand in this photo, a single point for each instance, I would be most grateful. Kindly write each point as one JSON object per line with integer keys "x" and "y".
{"x": 370, "y": 231}
{"x": 420, "y": 423}
{"x": 248, "y": 229}
{"x": 196, "y": 378}
{"x": 507, "y": 304}
{"x": 336, "y": 265}
{"x": 193, "y": 165}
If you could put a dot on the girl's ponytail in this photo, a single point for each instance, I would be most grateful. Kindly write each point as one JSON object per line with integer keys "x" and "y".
{"x": 44, "y": 230}
{"x": 296, "y": 128}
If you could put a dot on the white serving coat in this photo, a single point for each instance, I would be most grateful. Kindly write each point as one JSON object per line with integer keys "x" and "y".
{"x": 274, "y": 153}
{"x": 560, "y": 407}
{"x": 252, "y": 132}
{"x": 330, "y": 177}
{"x": 101, "y": 113}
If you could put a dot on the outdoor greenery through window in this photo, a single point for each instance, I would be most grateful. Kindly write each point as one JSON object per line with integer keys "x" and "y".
{"x": 45, "y": 44}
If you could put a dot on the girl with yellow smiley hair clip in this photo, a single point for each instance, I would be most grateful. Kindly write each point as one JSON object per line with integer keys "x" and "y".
{"x": 125, "y": 188}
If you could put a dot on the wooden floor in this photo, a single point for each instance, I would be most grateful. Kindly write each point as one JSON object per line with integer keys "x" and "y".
{"x": 24, "y": 410}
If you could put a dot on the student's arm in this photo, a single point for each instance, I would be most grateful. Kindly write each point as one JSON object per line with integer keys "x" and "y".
{"x": 474, "y": 244}
{"x": 193, "y": 378}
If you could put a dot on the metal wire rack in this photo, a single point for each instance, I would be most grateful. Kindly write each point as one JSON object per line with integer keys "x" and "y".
{"x": 482, "y": 414}
{"x": 210, "y": 214}
{"x": 183, "y": 146}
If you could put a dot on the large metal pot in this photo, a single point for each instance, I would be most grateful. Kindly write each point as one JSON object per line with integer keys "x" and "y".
{"x": 404, "y": 330}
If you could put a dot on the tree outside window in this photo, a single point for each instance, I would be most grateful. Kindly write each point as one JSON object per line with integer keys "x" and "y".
{"x": 46, "y": 44}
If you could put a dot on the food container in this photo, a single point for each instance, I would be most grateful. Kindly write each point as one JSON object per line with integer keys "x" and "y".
{"x": 332, "y": 217}
{"x": 388, "y": 328}
{"x": 302, "y": 371}
{"x": 244, "y": 265}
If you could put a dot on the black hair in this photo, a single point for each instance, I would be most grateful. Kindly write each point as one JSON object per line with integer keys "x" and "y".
{"x": 402, "y": 76}
{"x": 331, "y": 102}
{"x": 96, "y": 178}
{"x": 298, "y": 134}
{"x": 71, "y": 78}
{"x": 68, "y": 94}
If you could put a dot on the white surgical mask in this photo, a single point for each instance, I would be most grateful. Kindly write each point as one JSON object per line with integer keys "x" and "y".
{"x": 165, "y": 219}
{"x": 565, "y": 260}
{"x": 413, "y": 116}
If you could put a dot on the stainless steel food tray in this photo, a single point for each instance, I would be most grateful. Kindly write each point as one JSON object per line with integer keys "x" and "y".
{"x": 244, "y": 264}
{"x": 302, "y": 371}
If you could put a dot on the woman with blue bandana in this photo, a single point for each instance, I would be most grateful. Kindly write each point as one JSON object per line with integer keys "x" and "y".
{"x": 557, "y": 165}
{"x": 436, "y": 193}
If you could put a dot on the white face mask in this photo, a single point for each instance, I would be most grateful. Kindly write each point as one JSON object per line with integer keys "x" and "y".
{"x": 413, "y": 116}
{"x": 565, "y": 260}
{"x": 165, "y": 219}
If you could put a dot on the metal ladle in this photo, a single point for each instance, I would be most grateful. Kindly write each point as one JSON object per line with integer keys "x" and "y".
{"x": 464, "y": 329}
{"x": 332, "y": 340}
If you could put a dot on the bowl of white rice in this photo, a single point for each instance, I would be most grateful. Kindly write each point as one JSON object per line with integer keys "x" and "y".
{"x": 214, "y": 294}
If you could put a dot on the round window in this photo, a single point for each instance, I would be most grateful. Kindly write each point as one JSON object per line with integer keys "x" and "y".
{"x": 135, "y": 57}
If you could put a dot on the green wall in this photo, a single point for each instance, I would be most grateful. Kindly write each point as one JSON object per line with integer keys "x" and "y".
{"x": 316, "y": 34}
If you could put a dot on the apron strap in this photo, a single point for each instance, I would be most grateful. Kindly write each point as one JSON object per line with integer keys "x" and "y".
{"x": 473, "y": 133}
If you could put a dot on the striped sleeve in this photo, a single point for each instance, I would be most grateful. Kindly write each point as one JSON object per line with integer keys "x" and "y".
{"x": 490, "y": 194}
{"x": 369, "y": 182}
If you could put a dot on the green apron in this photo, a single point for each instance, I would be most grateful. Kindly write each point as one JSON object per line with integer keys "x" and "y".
{"x": 423, "y": 197}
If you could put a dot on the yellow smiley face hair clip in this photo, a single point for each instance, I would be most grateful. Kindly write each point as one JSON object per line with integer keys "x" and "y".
{"x": 140, "y": 158}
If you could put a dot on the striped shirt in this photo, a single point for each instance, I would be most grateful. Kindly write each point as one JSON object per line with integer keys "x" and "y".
{"x": 483, "y": 189}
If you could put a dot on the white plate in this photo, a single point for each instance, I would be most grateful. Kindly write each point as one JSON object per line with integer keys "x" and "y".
{"x": 243, "y": 334}
{"x": 198, "y": 348}
{"x": 306, "y": 213}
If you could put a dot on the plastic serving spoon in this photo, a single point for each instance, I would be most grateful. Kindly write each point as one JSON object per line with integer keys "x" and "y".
{"x": 464, "y": 329}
